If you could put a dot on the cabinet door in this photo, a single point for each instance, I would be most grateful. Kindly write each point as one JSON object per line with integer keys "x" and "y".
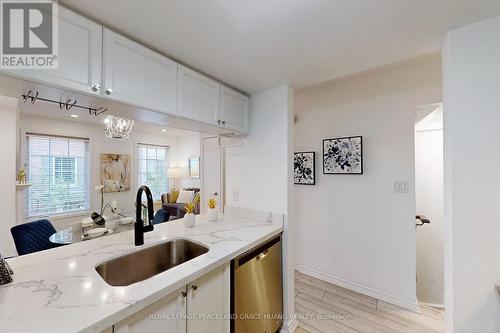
{"x": 166, "y": 315}
{"x": 80, "y": 56}
{"x": 198, "y": 96}
{"x": 136, "y": 75}
{"x": 209, "y": 296}
{"x": 234, "y": 110}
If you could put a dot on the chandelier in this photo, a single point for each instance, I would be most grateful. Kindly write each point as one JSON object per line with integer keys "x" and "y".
{"x": 117, "y": 127}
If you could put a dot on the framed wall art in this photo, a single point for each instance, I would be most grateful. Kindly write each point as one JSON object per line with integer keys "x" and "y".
{"x": 343, "y": 156}
{"x": 304, "y": 166}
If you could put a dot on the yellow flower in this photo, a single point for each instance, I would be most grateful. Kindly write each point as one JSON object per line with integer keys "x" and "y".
{"x": 189, "y": 208}
{"x": 212, "y": 203}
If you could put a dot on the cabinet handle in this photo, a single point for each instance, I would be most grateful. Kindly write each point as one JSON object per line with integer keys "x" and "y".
{"x": 184, "y": 293}
{"x": 96, "y": 87}
{"x": 194, "y": 287}
{"x": 109, "y": 91}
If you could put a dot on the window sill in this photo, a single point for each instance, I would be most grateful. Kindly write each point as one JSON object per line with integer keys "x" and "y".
{"x": 60, "y": 216}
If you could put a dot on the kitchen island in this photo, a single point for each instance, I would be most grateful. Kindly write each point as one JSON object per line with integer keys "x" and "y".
{"x": 59, "y": 290}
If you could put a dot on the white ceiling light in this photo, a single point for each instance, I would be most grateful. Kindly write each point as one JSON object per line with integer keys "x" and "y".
{"x": 163, "y": 130}
{"x": 117, "y": 127}
{"x": 73, "y": 116}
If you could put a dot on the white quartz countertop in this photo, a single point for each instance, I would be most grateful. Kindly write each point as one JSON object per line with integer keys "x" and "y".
{"x": 59, "y": 290}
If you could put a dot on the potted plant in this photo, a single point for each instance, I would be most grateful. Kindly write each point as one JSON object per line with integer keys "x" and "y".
{"x": 212, "y": 211}
{"x": 189, "y": 218}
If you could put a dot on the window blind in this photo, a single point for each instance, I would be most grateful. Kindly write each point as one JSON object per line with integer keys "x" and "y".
{"x": 58, "y": 170}
{"x": 152, "y": 164}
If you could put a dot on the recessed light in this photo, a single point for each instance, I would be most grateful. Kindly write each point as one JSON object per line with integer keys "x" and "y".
{"x": 73, "y": 115}
{"x": 163, "y": 130}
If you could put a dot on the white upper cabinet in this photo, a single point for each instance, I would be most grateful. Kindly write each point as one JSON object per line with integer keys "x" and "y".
{"x": 234, "y": 110}
{"x": 198, "y": 96}
{"x": 136, "y": 75}
{"x": 80, "y": 56}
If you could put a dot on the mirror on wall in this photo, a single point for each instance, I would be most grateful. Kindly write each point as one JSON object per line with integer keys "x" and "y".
{"x": 194, "y": 167}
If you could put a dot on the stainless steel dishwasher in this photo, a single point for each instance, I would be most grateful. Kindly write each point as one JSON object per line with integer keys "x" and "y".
{"x": 257, "y": 289}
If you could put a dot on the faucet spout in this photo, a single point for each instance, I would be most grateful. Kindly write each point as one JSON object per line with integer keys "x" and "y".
{"x": 139, "y": 227}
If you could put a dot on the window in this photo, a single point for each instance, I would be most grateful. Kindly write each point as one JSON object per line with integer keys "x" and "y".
{"x": 152, "y": 164}
{"x": 58, "y": 170}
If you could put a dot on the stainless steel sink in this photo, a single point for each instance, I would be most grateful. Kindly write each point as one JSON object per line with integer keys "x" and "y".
{"x": 143, "y": 264}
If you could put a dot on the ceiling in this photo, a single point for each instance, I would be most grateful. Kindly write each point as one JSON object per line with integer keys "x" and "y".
{"x": 254, "y": 45}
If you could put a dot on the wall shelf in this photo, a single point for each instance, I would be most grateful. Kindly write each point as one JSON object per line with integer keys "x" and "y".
{"x": 21, "y": 187}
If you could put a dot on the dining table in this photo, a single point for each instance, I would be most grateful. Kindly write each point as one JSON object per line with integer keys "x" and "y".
{"x": 67, "y": 236}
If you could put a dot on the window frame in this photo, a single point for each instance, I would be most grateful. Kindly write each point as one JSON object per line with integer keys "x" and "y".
{"x": 138, "y": 161}
{"x": 88, "y": 194}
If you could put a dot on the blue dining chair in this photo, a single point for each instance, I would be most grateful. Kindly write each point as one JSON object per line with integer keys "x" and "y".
{"x": 33, "y": 236}
{"x": 162, "y": 215}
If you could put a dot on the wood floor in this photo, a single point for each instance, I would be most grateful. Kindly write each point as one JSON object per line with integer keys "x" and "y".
{"x": 324, "y": 307}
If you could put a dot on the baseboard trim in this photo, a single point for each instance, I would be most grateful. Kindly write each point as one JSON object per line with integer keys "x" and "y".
{"x": 433, "y": 305}
{"x": 290, "y": 326}
{"x": 382, "y": 296}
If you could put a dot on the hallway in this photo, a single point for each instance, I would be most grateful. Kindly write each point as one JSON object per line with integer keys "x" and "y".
{"x": 348, "y": 311}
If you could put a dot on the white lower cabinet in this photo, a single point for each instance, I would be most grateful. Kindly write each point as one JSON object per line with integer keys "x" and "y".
{"x": 201, "y": 306}
{"x": 166, "y": 315}
{"x": 207, "y": 301}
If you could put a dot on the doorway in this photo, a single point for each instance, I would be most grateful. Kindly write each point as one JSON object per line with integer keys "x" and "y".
{"x": 429, "y": 197}
{"x": 212, "y": 173}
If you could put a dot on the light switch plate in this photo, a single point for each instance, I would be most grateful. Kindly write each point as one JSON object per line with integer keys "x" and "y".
{"x": 400, "y": 186}
{"x": 235, "y": 195}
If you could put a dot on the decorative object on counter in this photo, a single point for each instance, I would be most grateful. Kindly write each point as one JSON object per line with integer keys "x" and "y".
{"x": 177, "y": 173}
{"x": 194, "y": 167}
{"x": 5, "y": 274}
{"x": 115, "y": 172}
{"x": 100, "y": 188}
{"x": 189, "y": 217}
{"x": 21, "y": 175}
{"x": 212, "y": 210}
{"x": 97, "y": 218}
{"x": 343, "y": 155}
{"x": 68, "y": 104}
{"x": 96, "y": 232}
{"x": 117, "y": 127}
{"x": 304, "y": 168}
{"x": 76, "y": 227}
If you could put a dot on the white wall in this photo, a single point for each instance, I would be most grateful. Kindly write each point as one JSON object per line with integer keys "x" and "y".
{"x": 261, "y": 171}
{"x": 352, "y": 229}
{"x": 8, "y": 137}
{"x": 472, "y": 177}
{"x": 429, "y": 202}
{"x": 98, "y": 145}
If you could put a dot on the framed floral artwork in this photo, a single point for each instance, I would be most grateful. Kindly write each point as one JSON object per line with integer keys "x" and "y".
{"x": 343, "y": 155}
{"x": 304, "y": 165}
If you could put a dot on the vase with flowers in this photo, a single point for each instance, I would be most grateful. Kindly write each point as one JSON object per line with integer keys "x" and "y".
{"x": 212, "y": 210}
{"x": 189, "y": 218}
